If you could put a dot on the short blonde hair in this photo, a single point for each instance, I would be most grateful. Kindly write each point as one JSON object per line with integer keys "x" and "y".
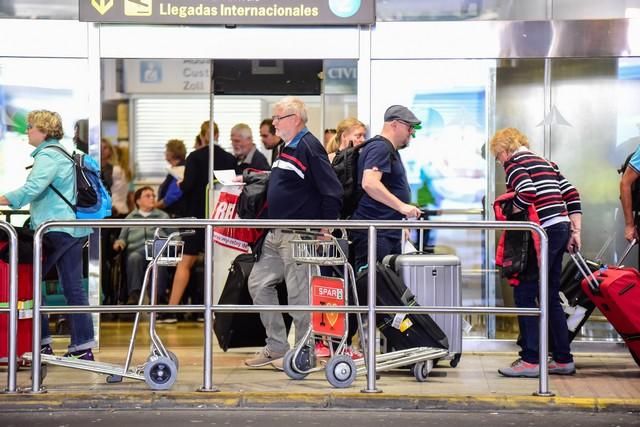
{"x": 47, "y": 122}
{"x": 507, "y": 140}
{"x": 243, "y": 129}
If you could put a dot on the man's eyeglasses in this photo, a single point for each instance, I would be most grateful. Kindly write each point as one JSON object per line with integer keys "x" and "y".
{"x": 411, "y": 128}
{"x": 279, "y": 118}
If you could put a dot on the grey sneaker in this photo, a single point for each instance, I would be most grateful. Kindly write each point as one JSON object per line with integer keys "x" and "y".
{"x": 557, "y": 368}
{"x": 520, "y": 368}
{"x": 262, "y": 358}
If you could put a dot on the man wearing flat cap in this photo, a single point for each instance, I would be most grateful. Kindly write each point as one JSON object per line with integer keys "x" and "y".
{"x": 386, "y": 194}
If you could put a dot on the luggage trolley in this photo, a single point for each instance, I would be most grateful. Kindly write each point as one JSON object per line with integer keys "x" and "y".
{"x": 341, "y": 370}
{"x": 161, "y": 367}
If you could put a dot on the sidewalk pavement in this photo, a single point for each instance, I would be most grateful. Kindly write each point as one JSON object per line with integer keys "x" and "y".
{"x": 604, "y": 382}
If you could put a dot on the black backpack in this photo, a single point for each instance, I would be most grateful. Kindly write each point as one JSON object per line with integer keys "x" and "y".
{"x": 345, "y": 165}
{"x": 635, "y": 187}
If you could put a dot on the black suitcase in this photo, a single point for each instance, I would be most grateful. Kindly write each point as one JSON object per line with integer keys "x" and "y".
{"x": 235, "y": 330}
{"x": 404, "y": 331}
{"x": 576, "y": 304}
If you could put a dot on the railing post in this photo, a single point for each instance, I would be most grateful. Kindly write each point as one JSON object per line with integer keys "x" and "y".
{"x": 371, "y": 315}
{"x": 543, "y": 346}
{"x": 207, "y": 383}
{"x": 36, "y": 369}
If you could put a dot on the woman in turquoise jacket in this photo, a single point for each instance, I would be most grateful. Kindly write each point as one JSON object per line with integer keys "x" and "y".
{"x": 63, "y": 244}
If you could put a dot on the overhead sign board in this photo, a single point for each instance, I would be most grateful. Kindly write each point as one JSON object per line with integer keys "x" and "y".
{"x": 230, "y": 12}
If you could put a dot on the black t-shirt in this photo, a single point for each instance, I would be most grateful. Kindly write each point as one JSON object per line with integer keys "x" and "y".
{"x": 196, "y": 178}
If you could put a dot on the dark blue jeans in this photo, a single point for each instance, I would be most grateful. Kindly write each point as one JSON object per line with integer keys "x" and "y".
{"x": 385, "y": 245}
{"x": 65, "y": 252}
{"x": 526, "y": 296}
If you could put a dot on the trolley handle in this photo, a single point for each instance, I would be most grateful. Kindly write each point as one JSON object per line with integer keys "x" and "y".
{"x": 586, "y": 272}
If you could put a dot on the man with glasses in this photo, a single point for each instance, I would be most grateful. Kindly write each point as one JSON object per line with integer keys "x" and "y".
{"x": 270, "y": 140}
{"x": 386, "y": 193}
{"x": 302, "y": 185}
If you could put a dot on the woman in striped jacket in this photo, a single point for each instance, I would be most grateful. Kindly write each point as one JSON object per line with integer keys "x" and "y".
{"x": 538, "y": 182}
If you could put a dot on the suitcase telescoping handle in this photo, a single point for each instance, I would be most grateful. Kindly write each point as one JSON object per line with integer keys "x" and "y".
{"x": 586, "y": 272}
{"x": 626, "y": 251}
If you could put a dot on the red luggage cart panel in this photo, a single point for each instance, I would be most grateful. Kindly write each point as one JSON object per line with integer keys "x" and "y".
{"x": 25, "y": 294}
{"x": 328, "y": 291}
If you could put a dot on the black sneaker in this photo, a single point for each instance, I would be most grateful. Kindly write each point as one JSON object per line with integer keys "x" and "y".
{"x": 80, "y": 354}
{"x": 46, "y": 349}
{"x": 167, "y": 318}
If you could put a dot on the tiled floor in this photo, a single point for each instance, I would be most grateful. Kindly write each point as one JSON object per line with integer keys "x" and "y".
{"x": 602, "y": 376}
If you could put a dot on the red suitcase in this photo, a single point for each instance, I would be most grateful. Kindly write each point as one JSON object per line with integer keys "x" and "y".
{"x": 25, "y": 304}
{"x": 616, "y": 292}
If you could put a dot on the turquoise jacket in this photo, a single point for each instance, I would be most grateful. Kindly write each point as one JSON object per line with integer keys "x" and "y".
{"x": 134, "y": 237}
{"x": 49, "y": 167}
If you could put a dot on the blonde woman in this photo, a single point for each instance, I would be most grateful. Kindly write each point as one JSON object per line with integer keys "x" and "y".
{"x": 349, "y": 133}
{"x": 63, "y": 245}
{"x": 538, "y": 182}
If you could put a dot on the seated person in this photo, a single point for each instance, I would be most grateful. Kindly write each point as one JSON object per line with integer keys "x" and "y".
{"x": 132, "y": 241}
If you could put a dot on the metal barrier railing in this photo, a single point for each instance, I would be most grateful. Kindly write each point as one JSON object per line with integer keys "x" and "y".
{"x": 12, "y": 308}
{"x": 209, "y": 308}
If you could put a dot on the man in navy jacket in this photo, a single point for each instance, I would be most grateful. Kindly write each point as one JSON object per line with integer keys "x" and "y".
{"x": 302, "y": 185}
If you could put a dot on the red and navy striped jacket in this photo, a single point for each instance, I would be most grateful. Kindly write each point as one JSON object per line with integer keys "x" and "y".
{"x": 539, "y": 182}
{"x": 303, "y": 185}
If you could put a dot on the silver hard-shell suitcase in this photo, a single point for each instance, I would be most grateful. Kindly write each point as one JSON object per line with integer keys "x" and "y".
{"x": 435, "y": 280}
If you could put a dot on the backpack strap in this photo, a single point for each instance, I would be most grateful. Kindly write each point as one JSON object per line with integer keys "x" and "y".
{"x": 55, "y": 190}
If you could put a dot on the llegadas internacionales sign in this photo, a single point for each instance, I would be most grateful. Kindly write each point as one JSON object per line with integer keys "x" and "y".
{"x": 230, "y": 12}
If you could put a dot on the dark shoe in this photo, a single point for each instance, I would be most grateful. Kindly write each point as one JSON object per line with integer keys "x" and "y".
{"x": 167, "y": 318}
{"x": 80, "y": 355}
{"x": 46, "y": 349}
{"x": 134, "y": 297}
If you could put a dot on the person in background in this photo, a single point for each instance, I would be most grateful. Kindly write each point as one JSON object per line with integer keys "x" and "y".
{"x": 538, "y": 182}
{"x": 349, "y": 133}
{"x": 629, "y": 177}
{"x": 302, "y": 186}
{"x": 122, "y": 181}
{"x": 79, "y": 142}
{"x": 328, "y": 134}
{"x": 107, "y": 158}
{"x": 245, "y": 151}
{"x": 132, "y": 241}
{"x": 169, "y": 193}
{"x": 194, "y": 194}
{"x": 270, "y": 140}
{"x": 63, "y": 245}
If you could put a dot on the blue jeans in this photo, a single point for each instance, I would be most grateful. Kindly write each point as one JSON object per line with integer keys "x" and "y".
{"x": 385, "y": 245}
{"x": 526, "y": 296}
{"x": 65, "y": 252}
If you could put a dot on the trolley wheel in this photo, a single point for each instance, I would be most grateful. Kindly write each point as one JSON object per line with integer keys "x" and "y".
{"x": 340, "y": 371}
{"x": 290, "y": 368}
{"x": 421, "y": 370}
{"x": 113, "y": 378}
{"x": 174, "y": 358}
{"x": 160, "y": 373}
{"x": 43, "y": 373}
{"x": 456, "y": 359}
